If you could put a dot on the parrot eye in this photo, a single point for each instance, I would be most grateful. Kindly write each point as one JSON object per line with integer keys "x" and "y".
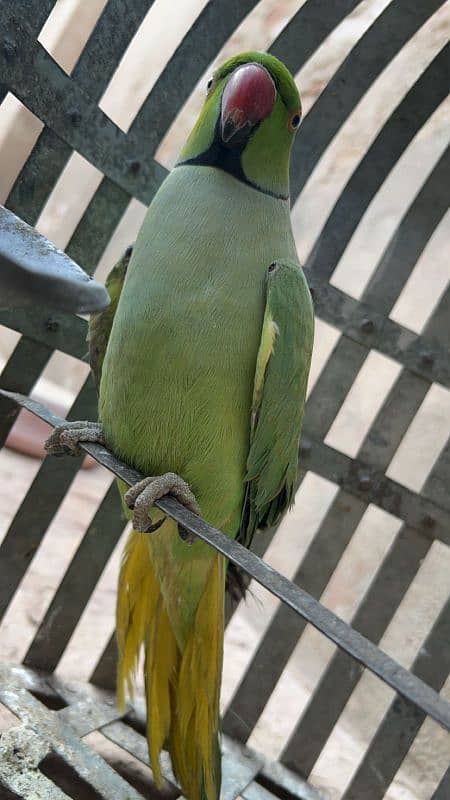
{"x": 294, "y": 121}
{"x": 209, "y": 85}
{"x": 273, "y": 267}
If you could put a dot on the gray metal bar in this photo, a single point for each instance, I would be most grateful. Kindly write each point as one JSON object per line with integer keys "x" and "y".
{"x": 90, "y": 709}
{"x": 49, "y": 330}
{"x": 368, "y": 58}
{"x": 21, "y": 372}
{"x": 107, "y": 43}
{"x": 402, "y": 720}
{"x": 437, "y": 327}
{"x": 62, "y": 739}
{"x": 21, "y": 8}
{"x": 299, "y": 601}
{"x": 307, "y": 30}
{"x": 240, "y": 764}
{"x": 208, "y": 34}
{"x": 39, "y": 507}
{"x": 274, "y": 650}
{"x": 410, "y": 115}
{"x": 24, "y": 778}
{"x": 342, "y": 675}
{"x": 333, "y": 385}
{"x": 122, "y": 157}
{"x": 94, "y": 68}
{"x": 437, "y": 484}
{"x": 98, "y": 224}
{"x": 442, "y": 792}
{"x": 105, "y": 671}
{"x": 393, "y": 420}
{"x": 72, "y": 595}
{"x": 414, "y": 231}
{"x": 359, "y": 478}
{"x": 34, "y": 272}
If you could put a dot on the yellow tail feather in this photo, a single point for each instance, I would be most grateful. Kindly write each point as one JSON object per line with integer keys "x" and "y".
{"x": 182, "y": 689}
{"x": 137, "y": 597}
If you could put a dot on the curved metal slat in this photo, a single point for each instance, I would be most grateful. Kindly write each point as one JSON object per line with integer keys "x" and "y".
{"x": 274, "y": 650}
{"x": 120, "y": 156}
{"x": 37, "y": 20}
{"x": 207, "y": 35}
{"x": 335, "y": 687}
{"x": 380, "y": 603}
{"x": 98, "y": 224}
{"x": 307, "y": 30}
{"x": 437, "y": 326}
{"x": 333, "y": 385}
{"x": 72, "y": 595}
{"x": 39, "y": 507}
{"x": 57, "y": 331}
{"x": 93, "y": 70}
{"x": 410, "y": 238}
{"x": 23, "y": 368}
{"x": 36, "y": 11}
{"x": 442, "y": 792}
{"x": 410, "y": 115}
{"x": 363, "y": 323}
{"x": 372, "y": 53}
{"x": 402, "y": 720}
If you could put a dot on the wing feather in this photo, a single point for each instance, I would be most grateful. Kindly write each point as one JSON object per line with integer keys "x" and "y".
{"x": 281, "y": 378}
{"x": 100, "y": 325}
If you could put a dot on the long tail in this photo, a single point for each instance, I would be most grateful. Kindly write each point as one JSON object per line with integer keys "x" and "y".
{"x": 182, "y": 687}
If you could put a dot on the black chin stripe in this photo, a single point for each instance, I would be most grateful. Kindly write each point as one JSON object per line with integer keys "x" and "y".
{"x": 229, "y": 160}
{"x": 239, "y": 174}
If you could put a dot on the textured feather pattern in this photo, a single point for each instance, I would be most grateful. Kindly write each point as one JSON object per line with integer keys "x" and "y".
{"x": 281, "y": 378}
{"x": 182, "y": 687}
{"x": 100, "y": 324}
{"x": 136, "y": 604}
{"x": 176, "y": 395}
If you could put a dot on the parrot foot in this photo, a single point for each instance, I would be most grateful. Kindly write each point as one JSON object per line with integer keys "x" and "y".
{"x": 141, "y": 497}
{"x": 65, "y": 439}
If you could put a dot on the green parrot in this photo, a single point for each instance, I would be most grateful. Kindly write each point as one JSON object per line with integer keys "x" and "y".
{"x": 202, "y": 362}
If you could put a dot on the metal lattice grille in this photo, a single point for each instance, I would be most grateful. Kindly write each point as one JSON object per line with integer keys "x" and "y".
{"x": 363, "y": 324}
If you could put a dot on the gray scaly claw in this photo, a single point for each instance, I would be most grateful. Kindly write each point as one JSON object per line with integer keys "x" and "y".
{"x": 65, "y": 439}
{"x": 142, "y": 496}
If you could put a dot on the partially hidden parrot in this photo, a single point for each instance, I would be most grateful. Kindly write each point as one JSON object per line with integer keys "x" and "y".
{"x": 202, "y": 363}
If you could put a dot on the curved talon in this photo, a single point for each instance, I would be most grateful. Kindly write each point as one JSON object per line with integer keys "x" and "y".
{"x": 142, "y": 496}
{"x": 65, "y": 439}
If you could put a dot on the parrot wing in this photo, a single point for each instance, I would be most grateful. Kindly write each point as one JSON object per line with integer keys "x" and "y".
{"x": 100, "y": 324}
{"x": 281, "y": 378}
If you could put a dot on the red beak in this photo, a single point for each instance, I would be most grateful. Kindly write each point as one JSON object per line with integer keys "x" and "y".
{"x": 248, "y": 98}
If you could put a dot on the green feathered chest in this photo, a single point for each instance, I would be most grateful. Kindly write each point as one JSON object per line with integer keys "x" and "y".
{"x": 178, "y": 375}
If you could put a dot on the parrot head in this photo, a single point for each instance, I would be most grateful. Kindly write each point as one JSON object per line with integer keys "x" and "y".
{"x": 248, "y": 122}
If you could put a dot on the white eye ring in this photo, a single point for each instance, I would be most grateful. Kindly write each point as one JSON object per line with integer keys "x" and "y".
{"x": 294, "y": 121}
{"x": 209, "y": 84}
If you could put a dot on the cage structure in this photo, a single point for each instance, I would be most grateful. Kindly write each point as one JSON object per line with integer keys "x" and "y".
{"x": 45, "y": 753}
